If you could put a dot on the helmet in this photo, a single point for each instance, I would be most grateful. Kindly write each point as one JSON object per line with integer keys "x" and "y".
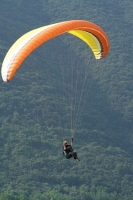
{"x": 65, "y": 142}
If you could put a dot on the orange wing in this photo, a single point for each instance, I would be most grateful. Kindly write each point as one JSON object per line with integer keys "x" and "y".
{"x": 89, "y": 32}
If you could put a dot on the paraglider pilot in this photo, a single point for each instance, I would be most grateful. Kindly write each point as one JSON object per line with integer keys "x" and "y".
{"x": 68, "y": 150}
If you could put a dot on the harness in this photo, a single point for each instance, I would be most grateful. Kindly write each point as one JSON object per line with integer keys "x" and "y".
{"x": 67, "y": 151}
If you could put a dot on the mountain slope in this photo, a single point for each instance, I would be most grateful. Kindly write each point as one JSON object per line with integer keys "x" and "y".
{"x": 35, "y": 118}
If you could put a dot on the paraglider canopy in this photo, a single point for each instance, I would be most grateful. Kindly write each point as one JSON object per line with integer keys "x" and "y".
{"x": 89, "y": 32}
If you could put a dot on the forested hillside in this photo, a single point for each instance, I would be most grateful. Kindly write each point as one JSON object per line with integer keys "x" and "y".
{"x": 36, "y": 112}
